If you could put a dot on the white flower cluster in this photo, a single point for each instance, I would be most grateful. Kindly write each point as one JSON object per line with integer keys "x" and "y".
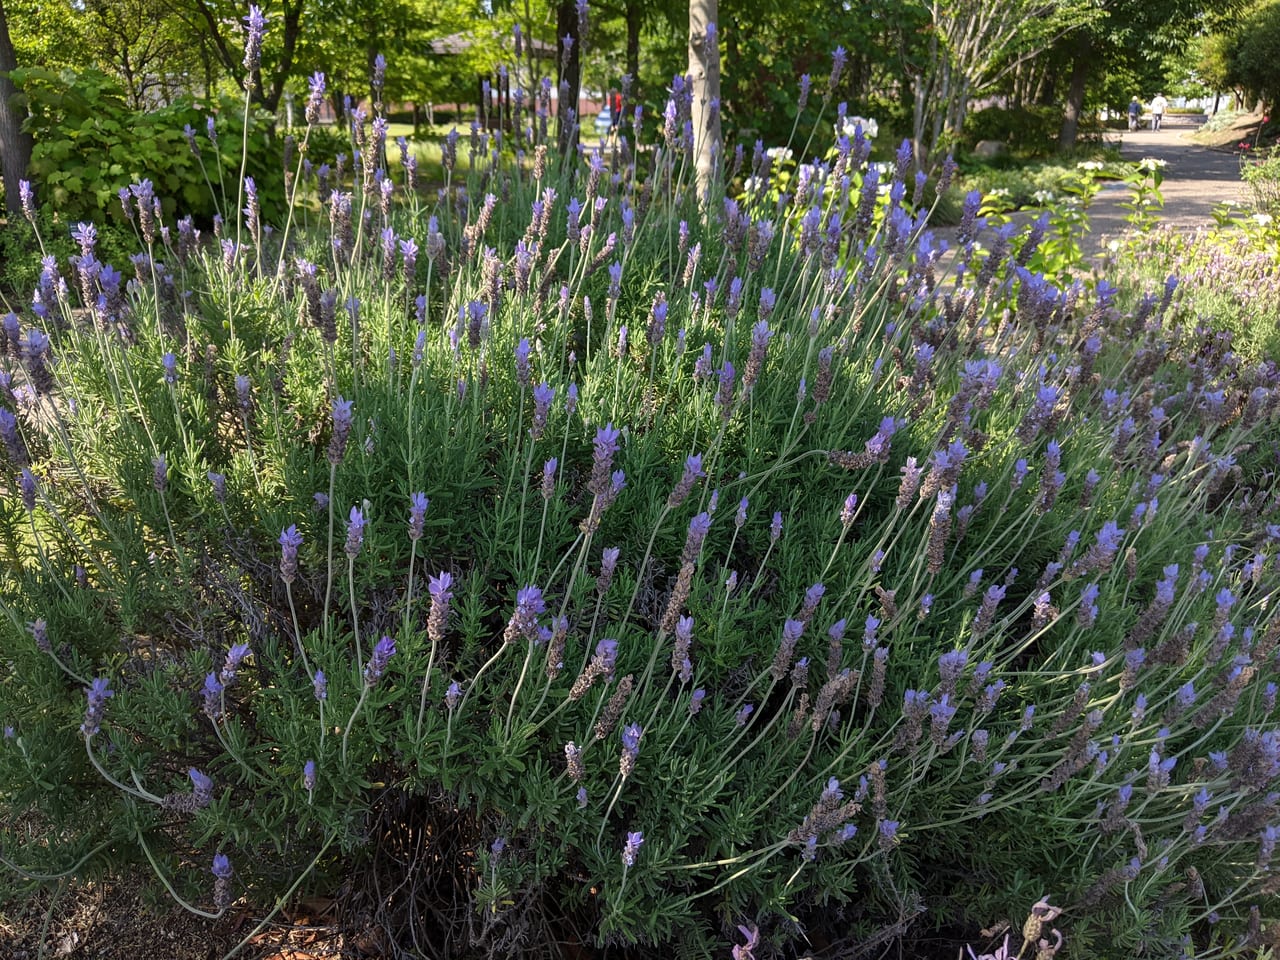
{"x": 778, "y": 154}
{"x": 1091, "y": 166}
{"x": 1150, "y": 163}
{"x": 869, "y": 127}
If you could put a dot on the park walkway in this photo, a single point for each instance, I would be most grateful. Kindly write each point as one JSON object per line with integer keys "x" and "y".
{"x": 1196, "y": 179}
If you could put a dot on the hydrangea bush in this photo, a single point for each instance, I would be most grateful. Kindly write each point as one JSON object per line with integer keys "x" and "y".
{"x": 566, "y": 551}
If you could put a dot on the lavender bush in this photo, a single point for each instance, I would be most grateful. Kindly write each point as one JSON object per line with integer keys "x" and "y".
{"x": 565, "y": 551}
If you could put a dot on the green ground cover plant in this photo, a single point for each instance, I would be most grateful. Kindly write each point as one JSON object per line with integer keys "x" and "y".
{"x": 569, "y": 555}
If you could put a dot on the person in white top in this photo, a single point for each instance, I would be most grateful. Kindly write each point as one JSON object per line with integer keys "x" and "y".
{"x": 1158, "y": 107}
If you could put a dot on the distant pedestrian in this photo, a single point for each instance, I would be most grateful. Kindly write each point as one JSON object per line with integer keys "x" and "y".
{"x": 1158, "y": 107}
{"x": 1135, "y": 111}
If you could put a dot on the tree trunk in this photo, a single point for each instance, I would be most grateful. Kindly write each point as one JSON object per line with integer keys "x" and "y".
{"x": 1080, "y": 64}
{"x": 270, "y": 100}
{"x": 704, "y": 68}
{"x": 570, "y": 61}
{"x": 15, "y": 146}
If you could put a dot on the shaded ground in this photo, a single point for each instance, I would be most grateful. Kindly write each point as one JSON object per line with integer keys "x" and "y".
{"x": 114, "y": 920}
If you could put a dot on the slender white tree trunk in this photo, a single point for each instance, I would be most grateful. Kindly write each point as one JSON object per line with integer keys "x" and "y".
{"x": 704, "y": 68}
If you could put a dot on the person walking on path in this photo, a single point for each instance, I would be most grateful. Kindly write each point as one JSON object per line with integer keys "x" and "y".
{"x": 1158, "y": 107}
{"x": 1135, "y": 111}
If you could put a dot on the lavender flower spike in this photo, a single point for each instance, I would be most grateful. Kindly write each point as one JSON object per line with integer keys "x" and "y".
{"x": 290, "y": 541}
{"x": 341, "y": 430}
{"x": 631, "y": 735}
{"x": 632, "y": 847}
{"x": 382, "y": 654}
{"x": 201, "y": 788}
{"x": 309, "y": 775}
{"x": 235, "y": 657}
{"x": 692, "y": 471}
{"x": 256, "y": 25}
{"x": 418, "y": 504}
{"x": 524, "y": 621}
{"x": 441, "y": 595}
{"x": 97, "y": 694}
{"x": 355, "y": 533}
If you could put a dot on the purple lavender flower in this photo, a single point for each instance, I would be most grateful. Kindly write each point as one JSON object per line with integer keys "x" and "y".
{"x": 657, "y": 321}
{"x": 631, "y": 735}
{"x": 869, "y": 631}
{"x": 221, "y": 865}
{"x": 523, "y": 372}
{"x": 792, "y": 631}
{"x": 159, "y": 473}
{"x": 201, "y": 788}
{"x": 320, "y": 686}
{"x": 524, "y": 620}
{"x": 699, "y": 526}
{"x": 28, "y": 200}
{"x": 888, "y": 830}
{"x": 543, "y": 395}
{"x": 604, "y": 446}
{"x": 244, "y": 392}
{"x": 341, "y": 430}
{"x": 290, "y": 541}
{"x": 97, "y": 695}
{"x": 441, "y": 596}
{"x": 848, "y": 510}
{"x": 453, "y": 695}
{"x": 632, "y": 847}
{"x": 418, "y": 503}
{"x": 255, "y": 26}
{"x": 315, "y": 97}
{"x": 724, "y": 393}
{"x": 741, "y": 717}
{"x": 170, "y": 363}
{"x": 235, "y": 656}
{"x": 27, "y": 482}
{"x": 40, "y": 633}
{"x": 549, "y": 478}
{"x": 309, "y": 776}
{"x": 377, "y": 665}
{"x": 692, "y": 471}
{"x": 355, "y": 533}
{"x": 838, "y": 59}
{"x": 212, "y": 696}
{"x": 775, "y": 527}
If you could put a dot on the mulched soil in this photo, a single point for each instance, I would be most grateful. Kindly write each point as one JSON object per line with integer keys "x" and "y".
{"x": 111, "y": 920}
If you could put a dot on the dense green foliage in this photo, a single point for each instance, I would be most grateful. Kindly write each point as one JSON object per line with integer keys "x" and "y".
{"x": 941, "y": 585}
{"x": 90, "y": 144}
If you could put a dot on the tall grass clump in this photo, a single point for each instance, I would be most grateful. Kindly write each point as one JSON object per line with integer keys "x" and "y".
{"x": 563, "y": 555}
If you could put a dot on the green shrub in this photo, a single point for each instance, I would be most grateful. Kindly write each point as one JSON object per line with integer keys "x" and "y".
{"x": 1033, "y": 127}
{"x": 1260, "y": 170}
{"x": 933, "y": 594}
{"x": 89, "y": 144}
